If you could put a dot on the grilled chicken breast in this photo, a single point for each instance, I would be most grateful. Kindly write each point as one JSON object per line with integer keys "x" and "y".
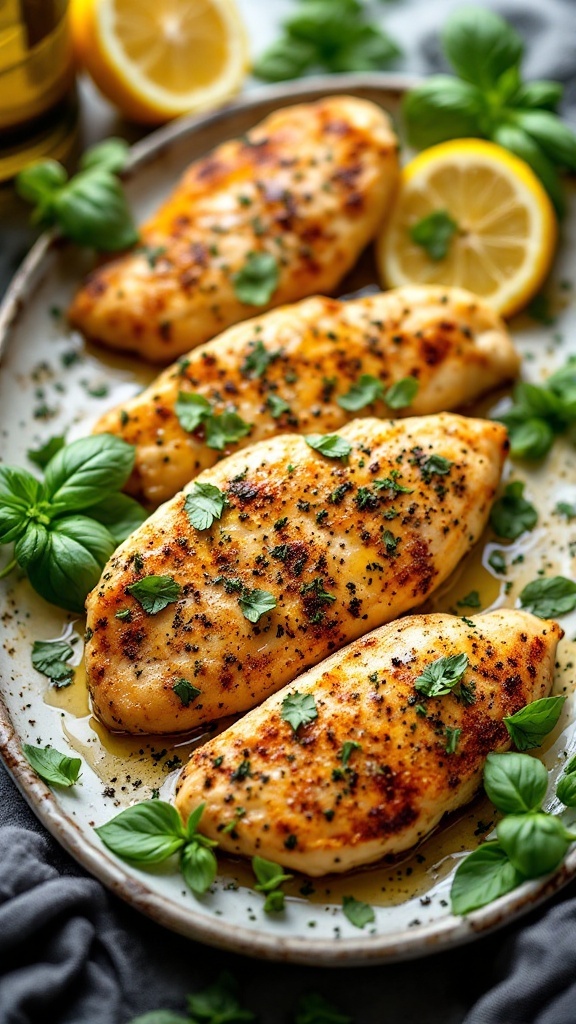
{"x": 315, "y": 550}
{"x": 380, "y": 765}
{"x": 308, "y": 187}
{"x": 287, "y": 370}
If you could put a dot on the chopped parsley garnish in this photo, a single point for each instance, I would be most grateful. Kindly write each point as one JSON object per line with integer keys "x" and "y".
{"x": 331, "y": 445}
{"x": 185, "y": 691}
{"x": 204, "y": 504}
{"x": 154, "y": 593}
{"x": 256, "y": 282}
{"x": 441, "y": 676}
{"x": 298, "y": 709}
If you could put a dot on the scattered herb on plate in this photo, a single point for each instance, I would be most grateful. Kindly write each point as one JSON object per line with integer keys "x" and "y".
{"x": 529, "y": 726}
{"x": 549, "y": 597}
{"x": 512, "y": 515}
{"x": 51, "y": 765}
{"x": 51, "y": 657}
{"x": 358, "y": 913}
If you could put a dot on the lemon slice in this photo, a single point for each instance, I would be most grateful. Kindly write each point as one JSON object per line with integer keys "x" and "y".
{"x": 482, "y": 219}
{"x": 156, "y": 59}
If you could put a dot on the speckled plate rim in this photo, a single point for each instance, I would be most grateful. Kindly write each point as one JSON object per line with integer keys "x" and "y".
{"x": 405, "y": 944}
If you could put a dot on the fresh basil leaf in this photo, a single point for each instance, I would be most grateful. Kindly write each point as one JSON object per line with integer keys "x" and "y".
{"x": 225, "y": 429}
{"x": 518, "y": 141}
{"x": 49, "y": 657}
{"x": 298, "y": 709}
{"x": 92, "y": 210}
{"x": 481, "y": 46}
{"x": 109, "y": 155}
{"x": 441, "y": 676}
{"x": 120, "y": 514}
{"x": 65, "y": 564}
{"x": 555, "y": 138}
{"x": 199, "y": 866}
{"x": 512, "y": 515}
{"x": 184, "y": 689}
{"x": 566, "y": 789}
{"x": 482, "y": 877}
{"x": 41, "y": 456}
{"x": 19, "y": 489}
{"x": 348, "y": 748}
{"x": 277, "y": 405}
{"x": 256, "y": 282}
{"x": 284, "y": 59}
{"x": 83, "y": 472}
{"x": 539, "y": 94}
{"x": 434, "y": 234}
{"x": 365, "y": 391}
{"x": 531, "y": 724}
{"x": 442, "y": 108}
{"x": 515, "y": 783}
{"x": 155, "y": 593}
{"x": 32, "y": 545}
{"x": 255, "y": 603}
{"x": 52, "y": 766}
{"x": 359, "y": 914}
{"x": 204, "y": 504}
{"x": 536, "y": 843}
{"x": 14, "y": 522}
{"x": 331, "y": 445}
{"x": 39, "y": 183}
{"x": 218, "y": 1004}
{"x": 191, "y": 410}
{"x": 371, "y": 50}
{"x": 549, "y": 597}
{"x": 275, "y": 902}
{"x": 531, "y": 439}
{"x": 269, "y": 875}
{"x": 402, "y": 393}
{"x": 146, "y": 833}
{"x": 314, "y": 1009}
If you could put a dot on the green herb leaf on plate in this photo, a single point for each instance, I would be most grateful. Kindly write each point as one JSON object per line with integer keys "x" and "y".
{"x": 549, "y": 597}
{"x": 41, "y": 456}
{"x": 120, "y": 514}
{"x": 515, "y": 783}
{"x": 268, "y": 874}
{"x": 256, "y": 282}
{"x": 566, "y": 789}
{"x": 536, "y": 843}
{"x": 441, "y": 676}
{"x": 276, "y": 405}
{"x": 512, "y": 515}
{"x": 83, "y": 472}
{"x": 109, "y": 155}
{"x": 471, "y": 600}
{"x": 184, "y": 689}
{"x": 529, "y": 726}
{"x": 365, "y": 391}
{"x": 452, "y": 739}
{"x": 434, "y": 234}
{"x": 50, "y": 657}
{"x": 348, "y": 748}
{"x": 199, "y": 866}
{"x": 51, "y": 765}
{"x": 155, "y": 593}
{"x": 225, "y": 429}
{"x": 203, "y": 504}
{"x": 160, "y": 1017}
{"x": 255, "y": 603}
{"x": 258, "y": 359}
{"x": 482, "y": 877}
{"x": 192, "y": 410}
{"x": 359, "y": 914}
{"x": 298, "y": 709}
{"x": 146, "y": 833}
{"x": 401, "y": 394}
{"x": 331, "y": 445}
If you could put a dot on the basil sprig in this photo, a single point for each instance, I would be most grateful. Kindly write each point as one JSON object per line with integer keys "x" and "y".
{"x": 330, "y": 34}
{"x": 488, "y": 99}
{"x": 152, "y": 831}
{"x": 529, "y": 843}
{"x": 65, "y": 528}
{"x": 51, "y": 765}
{"x": 270, "y": 877}
{"x": 541, "y": 412}
{"x": 529, "y": 726}
{"x": 90, "y": 208}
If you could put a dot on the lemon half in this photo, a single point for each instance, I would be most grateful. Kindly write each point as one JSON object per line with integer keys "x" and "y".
{"x": 156, "y": 59}
{"x": 503, "y": 224}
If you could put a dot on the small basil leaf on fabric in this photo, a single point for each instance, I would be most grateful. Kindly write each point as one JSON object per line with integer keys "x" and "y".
{"x": 315, "y": 1009}
{"x": 41, "y": 456}
{"x": 155, "y": 593}
{"x": 146, "y": 833}
{"x": 441, "y": 676}
{"x": 365, "y": 391}
{"x": 401, "y": 394}
{"x": 434, "y": 233}
{"x": 482, "y": 877}
{"x": 219, "y": 1004}
{"x": 549, "y": 597}
{"x": 529, "y": 726}
{"x": 512, "y": 515}
{"x": 255, "y": 603}
{"x": 51, "y": 765}
{"x": 359, "y": 914}
{"x": 515, "y": 783}
{"x": 536, "y": 843}
{"x": 258, "y": 279}
{"x": 298, "y": 709}
{"x": 199, "y": 866}
{"x": 331, "y": 445}
{"x": 203, "y": 504}
{"x": 50, "y": 657}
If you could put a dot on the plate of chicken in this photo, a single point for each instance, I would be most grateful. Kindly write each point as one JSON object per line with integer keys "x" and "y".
{"x": 286, "y": 696}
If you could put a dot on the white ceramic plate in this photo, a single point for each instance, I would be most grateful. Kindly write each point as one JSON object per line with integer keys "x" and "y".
{"x": 50, "y": 383}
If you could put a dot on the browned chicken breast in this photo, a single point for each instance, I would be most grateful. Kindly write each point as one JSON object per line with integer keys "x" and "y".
{"x": 266, "y": 219}
{"x": 375, "y": 763}
{"x": 278, "y": 556}
{"x": 289, "y": 369}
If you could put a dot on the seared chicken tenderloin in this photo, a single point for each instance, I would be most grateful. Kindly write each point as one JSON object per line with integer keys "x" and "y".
{"x": 287, "y": 371}
{"x": 308, "y": 187}
{"x": 377, "y": 768}
{"x": 309, "y": 553}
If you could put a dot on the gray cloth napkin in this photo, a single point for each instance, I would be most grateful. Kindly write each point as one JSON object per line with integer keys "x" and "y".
{"x": 70, "y": 953}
